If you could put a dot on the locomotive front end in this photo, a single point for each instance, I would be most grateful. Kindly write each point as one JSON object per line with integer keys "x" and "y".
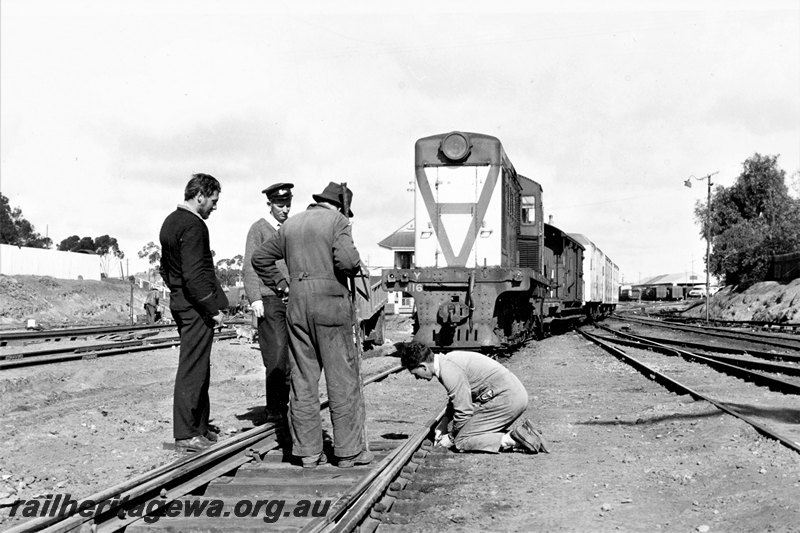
{"x": 469, "y": 291}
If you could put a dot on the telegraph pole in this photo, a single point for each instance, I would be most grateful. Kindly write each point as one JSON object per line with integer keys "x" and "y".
{"x": 688, "y": 183}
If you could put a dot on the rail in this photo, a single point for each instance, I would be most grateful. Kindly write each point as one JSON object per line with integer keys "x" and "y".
{"x": 679, "y": 388}
{"x": 168, "y": 482}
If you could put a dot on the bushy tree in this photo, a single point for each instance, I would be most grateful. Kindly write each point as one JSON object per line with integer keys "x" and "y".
{"x": 74, "y": 243}
{"x": 751, "y": 220}
{"x": 107, "y": 247}
{"x": 17, "y": 230}
{"x": 229, "y": 271}
{"x": 104, "y": 246}
{"x": 152, "y": 252}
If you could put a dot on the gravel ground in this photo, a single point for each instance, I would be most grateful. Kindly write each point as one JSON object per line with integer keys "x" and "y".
{"x": 626, "y": 454}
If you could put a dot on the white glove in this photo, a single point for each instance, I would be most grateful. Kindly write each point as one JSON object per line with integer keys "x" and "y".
{"x": 257, "y": 308}
{"x": 444, "y": 441}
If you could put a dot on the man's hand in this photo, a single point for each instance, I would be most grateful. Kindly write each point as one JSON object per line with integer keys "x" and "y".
{"x": 444, "y": 441}
{"x": 285, "y": 295}
{"x": 441, "y": 428}
{"x": 218, "y": 318}
{"x": 258, "y": 308}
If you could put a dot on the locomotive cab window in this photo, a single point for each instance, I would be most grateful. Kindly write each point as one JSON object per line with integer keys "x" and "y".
{"x": 528, "y": 205}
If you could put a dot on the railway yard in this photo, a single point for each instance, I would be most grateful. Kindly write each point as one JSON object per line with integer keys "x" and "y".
{"x": 630, "y": 450}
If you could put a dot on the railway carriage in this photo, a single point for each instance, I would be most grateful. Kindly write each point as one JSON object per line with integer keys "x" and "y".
{"x": 489, "y": 273}
{"x": 600, "y": 280}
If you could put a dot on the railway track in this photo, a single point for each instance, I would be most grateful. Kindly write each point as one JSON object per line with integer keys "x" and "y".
{"x": 744, "y": 368}
{"x": 712, "y": 345}
{"x": 12, "y": 338}
{"x": 784, "y": 327}
{"x": 775, "y": 416}
{"x": 246, "y": 483}
{"x": 71, "y": 353}
{"x": 788, "y": 342}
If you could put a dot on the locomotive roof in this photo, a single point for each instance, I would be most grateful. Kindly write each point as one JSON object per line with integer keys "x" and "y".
{"x": 528, "y": 185}
{"x": 483, "y": 147}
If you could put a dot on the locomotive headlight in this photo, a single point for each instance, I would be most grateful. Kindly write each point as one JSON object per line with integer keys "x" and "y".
{"x": 456, "y": 146}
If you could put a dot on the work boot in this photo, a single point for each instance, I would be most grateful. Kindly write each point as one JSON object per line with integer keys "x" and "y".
{"x": 363, "y": 458}
{"x": 528, "y": 439}
{"x": 543, "y": 446}
{"x": 195, "y": 444}
{"x": 313, "y": 461}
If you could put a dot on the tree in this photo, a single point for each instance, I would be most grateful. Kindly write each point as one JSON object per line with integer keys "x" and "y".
{"x": 229, "y": 271}
{"x": 77, "y": 244}
{"x": 104, "y": 246}
{"x": 107, "y": 247}
{"x": 152, "y": 252}
{"x": 750, "y": 221}
{"x": 17, "y": 230}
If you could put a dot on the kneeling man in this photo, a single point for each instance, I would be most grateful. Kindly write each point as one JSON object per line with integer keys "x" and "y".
{"x": 485, "y": 400}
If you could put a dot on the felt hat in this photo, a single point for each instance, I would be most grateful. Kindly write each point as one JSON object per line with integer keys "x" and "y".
{"x": 335, "y": 193}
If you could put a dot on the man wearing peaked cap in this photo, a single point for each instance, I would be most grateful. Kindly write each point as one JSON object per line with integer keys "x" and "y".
{"x": 319, "y": 252}
{"x": 269, "y": 306}
{"x": 279, "y": 191}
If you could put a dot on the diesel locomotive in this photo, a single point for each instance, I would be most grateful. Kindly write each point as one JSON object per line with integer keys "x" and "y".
{"x": 489, "y": 272}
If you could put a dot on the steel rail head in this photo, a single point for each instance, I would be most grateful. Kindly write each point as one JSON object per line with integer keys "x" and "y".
{"x": 158, "y": 477}
{"x": 730, "y": 368}
{"x": 662, "y": 378}
{"x": 153, "y": 480}
{"x": 768, "y": 339}
{"x": 358, "y": 504}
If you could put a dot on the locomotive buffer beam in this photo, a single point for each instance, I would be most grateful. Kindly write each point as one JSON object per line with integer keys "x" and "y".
{"x": 465, "y": 308}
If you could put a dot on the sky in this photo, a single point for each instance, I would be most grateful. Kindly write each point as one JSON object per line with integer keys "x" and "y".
{"x": 107, "y": 108}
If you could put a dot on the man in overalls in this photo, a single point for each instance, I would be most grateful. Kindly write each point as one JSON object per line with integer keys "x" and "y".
{"x": 318, "y": 248}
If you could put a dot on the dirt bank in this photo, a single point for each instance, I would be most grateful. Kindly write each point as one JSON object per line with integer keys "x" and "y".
{"x": 768, "y": 301}
{"x": 65, "y": 302}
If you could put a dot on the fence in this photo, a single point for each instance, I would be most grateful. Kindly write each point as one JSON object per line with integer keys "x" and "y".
{"x": 784, "y": 267}
{"x": 23, "y": 261}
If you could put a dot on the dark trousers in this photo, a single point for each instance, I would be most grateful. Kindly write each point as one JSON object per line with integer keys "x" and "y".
{"x": 151, "y": 313}
{"x": 191, "y": 407}
{"x": 273, "y": 339}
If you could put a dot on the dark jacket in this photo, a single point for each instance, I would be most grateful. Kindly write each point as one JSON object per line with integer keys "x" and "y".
{"x": 187, "y": 266}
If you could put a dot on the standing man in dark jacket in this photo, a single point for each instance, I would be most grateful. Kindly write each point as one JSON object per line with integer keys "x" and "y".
{"x": 320, "y": 255}
{"x": 269, "y": 305}
{"x": 196, "y": 302}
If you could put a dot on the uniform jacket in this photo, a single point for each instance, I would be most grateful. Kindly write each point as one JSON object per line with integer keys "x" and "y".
{"x": 316, "y": 244}
{"x": 469, "y": 378}
{"x": 260, "y": 232}
{"x": 187, "y": 266}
